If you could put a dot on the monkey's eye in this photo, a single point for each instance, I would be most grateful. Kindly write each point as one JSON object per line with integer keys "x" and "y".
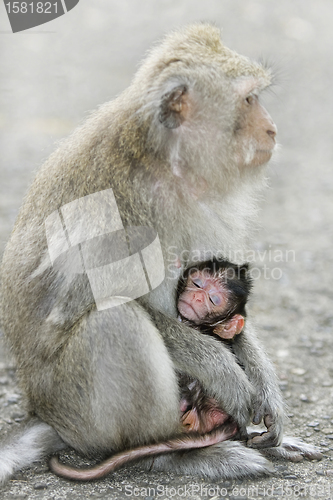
{"x": 215, "y": 299}
{"x": 197, "y": 282}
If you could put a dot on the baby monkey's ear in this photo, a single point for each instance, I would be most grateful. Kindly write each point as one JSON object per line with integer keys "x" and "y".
{"x": 230, "y": 328}
{"x": 174, "y": 107}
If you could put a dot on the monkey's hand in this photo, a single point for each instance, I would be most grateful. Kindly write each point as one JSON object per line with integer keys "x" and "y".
{"x": 267, "y": 439}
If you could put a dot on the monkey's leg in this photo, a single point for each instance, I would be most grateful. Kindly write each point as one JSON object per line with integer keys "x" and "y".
{"x": 113, "y": 385}
{"x": 230, "y": 459}
{"x": 267, "y": 399}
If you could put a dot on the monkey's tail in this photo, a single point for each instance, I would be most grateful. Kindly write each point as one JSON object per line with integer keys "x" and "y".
{"x": 184, "y": 442}
{"x": 32, "y": 442}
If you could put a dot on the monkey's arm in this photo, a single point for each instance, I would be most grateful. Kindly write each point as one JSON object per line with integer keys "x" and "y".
{"x": 211, "y": 362}
{"x": 267, "y": 401}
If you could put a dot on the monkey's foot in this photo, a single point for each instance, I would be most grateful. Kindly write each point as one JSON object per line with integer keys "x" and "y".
{"x": 294, "y": 449}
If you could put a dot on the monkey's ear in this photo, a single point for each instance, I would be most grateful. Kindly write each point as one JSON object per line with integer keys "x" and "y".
{"x": 173, "y": 107}
{"x": 232, "y": 327}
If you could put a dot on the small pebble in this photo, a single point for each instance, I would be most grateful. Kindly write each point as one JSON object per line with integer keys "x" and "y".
{"x": 320, "y": 473}
{"x": 327, "y": 431}
{"x": 18, "y": 417}
{"x": 313, "y": 424}
{"x": 304, "y": 398}
{"x": 282, "y": 468}
{"x": 13, "y": 399}
{"x": 289, "y": 476}
{"x": 298, "y": 371}
{"x": 40, "y": 486}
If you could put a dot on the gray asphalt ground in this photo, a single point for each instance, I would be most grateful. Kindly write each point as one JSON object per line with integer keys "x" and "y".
{"x": 52, "y": 75}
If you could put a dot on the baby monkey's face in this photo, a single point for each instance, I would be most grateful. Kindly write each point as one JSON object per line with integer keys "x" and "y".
{"x": 204, "y": 296}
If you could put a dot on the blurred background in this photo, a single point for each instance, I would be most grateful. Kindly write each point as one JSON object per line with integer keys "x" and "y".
{"x": 51, "y": 76}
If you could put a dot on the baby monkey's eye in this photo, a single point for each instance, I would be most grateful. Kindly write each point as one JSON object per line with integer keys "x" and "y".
{"x": 215, "y": 299}
{"x": 197, "y": 282}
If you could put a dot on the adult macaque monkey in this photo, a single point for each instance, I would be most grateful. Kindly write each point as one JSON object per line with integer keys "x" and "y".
{"x": 103, "y": 381}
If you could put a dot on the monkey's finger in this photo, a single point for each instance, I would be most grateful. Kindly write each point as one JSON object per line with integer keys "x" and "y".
{"x": 295, "y": 457}
{"x": 281, "y": 452}
{"x": 264, "y": 440}
{"x": 258, "y": 416}
{"x": 293, "y": 445}
{"x": 269, "y": 421}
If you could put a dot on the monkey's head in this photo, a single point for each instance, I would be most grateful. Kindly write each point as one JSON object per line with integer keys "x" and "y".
{"x": 200, "y": 105}
{"x": 214, "y": 291}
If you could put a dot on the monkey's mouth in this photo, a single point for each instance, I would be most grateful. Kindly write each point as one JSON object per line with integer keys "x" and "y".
{"x": 187, "y": 310}
{"x": 261, "y": 156}
{"x": 265, "y": 152}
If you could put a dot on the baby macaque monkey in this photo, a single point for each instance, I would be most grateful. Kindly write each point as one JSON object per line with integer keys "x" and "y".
{"x": 211, "y": 298}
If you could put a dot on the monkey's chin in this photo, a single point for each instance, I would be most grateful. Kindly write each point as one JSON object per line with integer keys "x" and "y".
{"x": 255, "y": 158}
{"x": 187, "y": 311}
{"x": 261, "y": 157}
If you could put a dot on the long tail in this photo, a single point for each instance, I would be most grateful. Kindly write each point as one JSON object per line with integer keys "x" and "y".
{"x": 186, "y": 442}
{"x": 31, "y": 443}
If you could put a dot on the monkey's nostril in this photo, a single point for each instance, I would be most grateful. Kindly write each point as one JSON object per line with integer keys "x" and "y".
{"x": 271, "y": 133}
